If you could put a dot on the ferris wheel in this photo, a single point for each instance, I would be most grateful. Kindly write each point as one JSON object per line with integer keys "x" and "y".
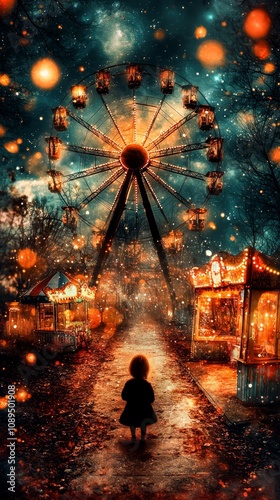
{"x": 129, "y": 156}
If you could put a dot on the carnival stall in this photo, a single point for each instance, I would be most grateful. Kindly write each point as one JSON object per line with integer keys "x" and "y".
{"x": 237, "y": 317}
{"x": 61, "y": 309}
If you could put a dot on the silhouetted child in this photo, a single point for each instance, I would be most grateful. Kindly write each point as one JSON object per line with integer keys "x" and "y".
{"x": 139, "y": 394}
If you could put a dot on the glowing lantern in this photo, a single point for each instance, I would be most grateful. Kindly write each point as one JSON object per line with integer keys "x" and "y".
{"x": 134, "y": 76}
{"x": 79, "y": 96}
{"x": 200, "y": 32}
{"x": 215, "y": 150}
{"x": 167, "y": 81}
{"x": 102, "y": 81}
{"x": 257, "y": 23}
{"x": 55, "y": 181}
{"x": 189, "y": 96}
{"x": 211, "y": 54}
{"x": 206, "y": 117}
{"x": 45, "y": 74}
{"x": 60, "y": 122}
{"x": 26, "y": 258}
{"x": 70, "y": 217}
{"x": 197, "y": 219}
{"x": 54, "y": 147}
{"x": 261, "y": 50}
{"x": 214, "y": 182}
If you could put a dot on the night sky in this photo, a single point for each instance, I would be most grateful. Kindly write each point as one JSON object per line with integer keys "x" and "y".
{"x": 85, "y": 36}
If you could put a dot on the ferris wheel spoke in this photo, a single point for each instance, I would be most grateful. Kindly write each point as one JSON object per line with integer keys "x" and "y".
{"x": 134, "y": 116}
{"x": 98, "y": 133}
{"x": 175, "y": 150}
{"x": 151, "y": 190}
{"x": 156, "y": 236}
{"x": 153, "y": 120}
{"x": 168, "y": 188}
{"x": 170, "y": 130}
{"x": 115, "y": 218}
{"x": 113, "y": 119}
{"x": 92, "y": 170}
{"x": 101, "y": 188}
{"x": 177, "y": 170}
{"x": 90, "y": 151}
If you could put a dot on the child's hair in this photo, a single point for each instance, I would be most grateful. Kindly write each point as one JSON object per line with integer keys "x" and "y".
{"x": 139, "y": 366}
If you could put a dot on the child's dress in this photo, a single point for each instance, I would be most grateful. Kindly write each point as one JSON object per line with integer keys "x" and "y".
{"x": 138, "y": 410}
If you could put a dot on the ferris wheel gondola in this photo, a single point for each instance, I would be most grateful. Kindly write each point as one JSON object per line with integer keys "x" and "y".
{"x": 131, "y": 132}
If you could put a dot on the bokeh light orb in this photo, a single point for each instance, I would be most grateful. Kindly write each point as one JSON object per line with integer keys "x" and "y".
{"x": 3, "y": 130}
{"x": 45, "y": 73}
{"x": 22, "y": 396}
{"x": 211, "y": 54}
{"x": 94, "y": 316}
{"x": 257, "y": 23}
{"x": 31, "y": 358}
{"x": 4, "y": 78}
{"x": 274, "y": 154}
{"x": 200, "y": 32}
{"x": 26, "y": 258}
{"x": 269, "y": 68}
{"x": 11, "y": 147}
{"x": 160, "y": 34}
{"x": 3, "y": 403}
{"x": 261, "y": 50}
{"x": 6, "y": 6}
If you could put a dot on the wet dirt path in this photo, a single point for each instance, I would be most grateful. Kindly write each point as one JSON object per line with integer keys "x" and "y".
{"x": 180, "y": 458}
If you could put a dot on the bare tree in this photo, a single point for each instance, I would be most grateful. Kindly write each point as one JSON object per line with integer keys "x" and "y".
{"x": 253, "y": 96}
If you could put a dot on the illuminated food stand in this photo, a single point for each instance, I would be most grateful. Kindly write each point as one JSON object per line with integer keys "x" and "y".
{"x": 237, "y": 317}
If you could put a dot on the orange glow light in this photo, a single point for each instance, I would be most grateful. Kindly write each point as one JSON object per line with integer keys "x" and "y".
{"x": 257, "y": 24}
{"x": 94, "y": 316}
{"x": 31, "y": 358}
{"x": 211, "y": 54}
{"x": 261, "y": 50}
{"x": 3, "y": 403}
{"x": 26, "y": 258}
{"x": 12, "y": 147}
{"x": 3, "y": 130}
{"x": 274, "y": 154}
{"x": 6, "y": 6}
{"x": 5, "y": 79}
{"x": 200, "y": 32}
{"x": 45, "y": 73}
{"x": 269, "y": 67}
{"x": 78, "y": 242}
{"x": 160, "y": 34}
{"x": 22, "y": 395}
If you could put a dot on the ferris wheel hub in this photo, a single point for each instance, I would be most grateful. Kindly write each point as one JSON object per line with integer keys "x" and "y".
{"x": 134, "y": 157}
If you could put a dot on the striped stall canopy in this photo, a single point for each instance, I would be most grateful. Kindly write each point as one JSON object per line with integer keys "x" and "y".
{"x": 56, "y": 280}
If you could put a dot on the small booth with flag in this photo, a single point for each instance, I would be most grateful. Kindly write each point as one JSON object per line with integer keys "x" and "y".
{"x": 237, "y": 317}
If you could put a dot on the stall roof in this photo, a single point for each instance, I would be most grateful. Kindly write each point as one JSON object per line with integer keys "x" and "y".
{"x": 56, "y": 280}
{"x": 249, "y": 267}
